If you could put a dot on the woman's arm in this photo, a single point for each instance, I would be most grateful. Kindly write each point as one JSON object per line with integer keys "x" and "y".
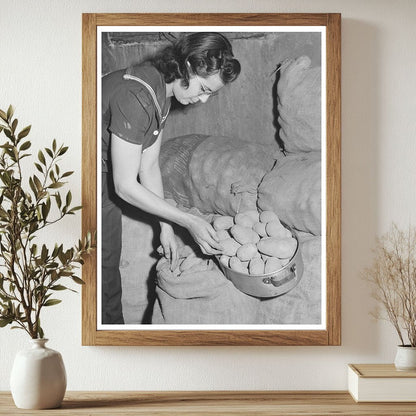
{"x": 151, "y": 178}
{"x": 127, "y": 164}
{"x": 149, "y": 171}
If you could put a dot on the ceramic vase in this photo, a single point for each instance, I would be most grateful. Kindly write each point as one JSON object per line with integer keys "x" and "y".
{"x": 38, "y": 377}
{"x": 405, "y": 358}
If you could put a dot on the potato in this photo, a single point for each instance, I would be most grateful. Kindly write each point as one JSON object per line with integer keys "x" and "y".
{"x": 230, "y": 247}
{"x": 225, "y": 260}
{"x": 275, "y": 247}
{"x": 223, "y": 223}
{"x": 247, "y": 218}
{"x": 237, "y": 265}
{"x": 223, "y": 234}
{"x": 257, "y": 255}
{"x": 265, "y": 257}
{"x": 268, "y": 216}
{"x": 244, "y": 235}
{"x": 276, "y": 229}
{"x": 260, "y": 229}
{"x": 247, "y": 251}
{"x": 244, "y": 220}
{"x": 273, "y": 264}
{"x": 253, "y": 214}
{"x": 256, "y": 266}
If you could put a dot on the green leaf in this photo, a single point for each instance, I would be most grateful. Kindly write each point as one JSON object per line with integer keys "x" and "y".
{"x": 14, "y": 125}
{"x": 56, "y": 185}
{"x": 39, "y": 167}
{"x": 51, "y": 302}
{"x": 8, "y": 133}
{"x": 24, "y": 132}
{"x": 34, "y": 249}
{"x": 44, "y": 253}
{"x": 37, "y": 182}
{"x": 45, "y": 210}
{"x": 3, "y": 115}
{"x": 49, "y": 152}
{"x": 67, "y": 174}
{"x": 76, "y": 279}
{"x": 25, "y": 155}
{"x": 52, "y": 176}
{"x": 54, "y": 145}
{"x": 40, "y": 331}
{"x": 77, "y": 208}
{"x": 63, "y": 150}
{"x": 4, "y": 298}
{"x": 59, "y": 287}
{"x": 10, "y": 112}
{"x": 62, "y": 257}
{"x": 33, "y": 187}
{"x": 68, "y": 199}
{"x": 25, "y": 145}
{"x": 58, "y": 199}
{"x": 41, "y": 157}
{"x": 5, "y": 321}
{"x": 57, "y": 250}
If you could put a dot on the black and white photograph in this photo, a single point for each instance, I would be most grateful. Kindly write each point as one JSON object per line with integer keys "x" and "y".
{"x": 211, "y": 178}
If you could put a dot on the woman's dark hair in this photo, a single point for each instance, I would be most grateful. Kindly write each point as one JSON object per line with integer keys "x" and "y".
{"x": 202, "y": 54}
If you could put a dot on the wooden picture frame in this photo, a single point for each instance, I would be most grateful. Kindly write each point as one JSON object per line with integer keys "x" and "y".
{"x": 331, "y": 332}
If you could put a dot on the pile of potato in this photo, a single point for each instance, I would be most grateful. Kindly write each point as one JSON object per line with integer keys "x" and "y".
{"x": 254, "y": 243}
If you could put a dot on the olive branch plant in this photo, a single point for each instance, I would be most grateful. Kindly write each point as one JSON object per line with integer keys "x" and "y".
{"x": 393, "y": 277}
{"x": 30, "y": 272}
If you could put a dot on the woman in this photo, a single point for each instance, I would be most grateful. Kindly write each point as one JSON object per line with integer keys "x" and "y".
{"x": 135, "y": 105}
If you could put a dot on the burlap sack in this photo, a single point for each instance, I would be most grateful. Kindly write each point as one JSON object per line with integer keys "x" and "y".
{"x": 299, "y": 105}
{"x": 202, "y": 295}
{"x": 292, "y": 189}
{"x": 215, "y": 174}
{"x": 302, "y": 305}
{"x": 175, "y": 157}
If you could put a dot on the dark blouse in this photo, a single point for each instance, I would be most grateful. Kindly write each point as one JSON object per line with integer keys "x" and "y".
{"x": 130, "y": 110}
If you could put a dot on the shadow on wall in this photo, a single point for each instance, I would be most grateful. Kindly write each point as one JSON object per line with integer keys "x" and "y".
{"x": 360, "y": 179}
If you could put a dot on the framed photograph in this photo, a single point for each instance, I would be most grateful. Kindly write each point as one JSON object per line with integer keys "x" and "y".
{"x": 211, "y": 173}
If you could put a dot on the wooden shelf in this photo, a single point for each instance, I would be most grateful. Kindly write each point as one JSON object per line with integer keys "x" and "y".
{"x": 221, "y": 403}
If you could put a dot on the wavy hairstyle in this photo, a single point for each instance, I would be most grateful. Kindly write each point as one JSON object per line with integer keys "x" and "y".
{"x": 202, "y": 54}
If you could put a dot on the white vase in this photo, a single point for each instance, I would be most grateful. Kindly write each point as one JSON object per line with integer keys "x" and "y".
{"x": 405, "y": 358}
{"x": 38, "y": 377}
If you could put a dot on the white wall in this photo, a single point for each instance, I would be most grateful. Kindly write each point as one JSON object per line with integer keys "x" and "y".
{"x": 40, "y": 73}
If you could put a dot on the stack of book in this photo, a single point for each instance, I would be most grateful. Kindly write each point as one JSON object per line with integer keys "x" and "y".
{"x": 381, "y": 383}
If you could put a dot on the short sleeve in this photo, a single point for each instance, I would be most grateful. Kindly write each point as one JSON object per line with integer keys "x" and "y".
{"x": 129, "y": 116}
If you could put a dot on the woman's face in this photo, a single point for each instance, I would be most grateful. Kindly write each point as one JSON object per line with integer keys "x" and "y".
{"x": 199, "y": 89}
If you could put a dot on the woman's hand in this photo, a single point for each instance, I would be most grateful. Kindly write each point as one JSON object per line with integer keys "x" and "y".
{"x": 204, "y": 235}
{"x": 169, "y": 244}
